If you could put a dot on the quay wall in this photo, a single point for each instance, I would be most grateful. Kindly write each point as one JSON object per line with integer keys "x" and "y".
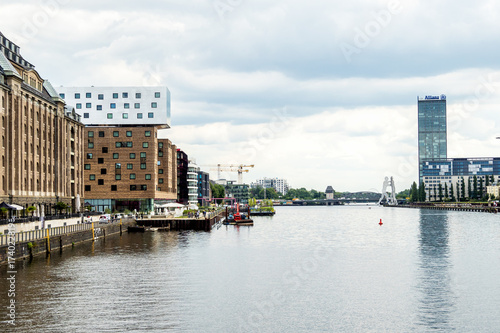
{"x": 37, "y": 242}
{"x": 455, "y": 207}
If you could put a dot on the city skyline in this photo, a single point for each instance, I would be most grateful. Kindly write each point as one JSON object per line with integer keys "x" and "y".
{"x": 321, "y": 93}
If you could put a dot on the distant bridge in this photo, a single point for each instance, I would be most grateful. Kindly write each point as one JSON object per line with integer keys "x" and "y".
{"x": 325, "y": 202}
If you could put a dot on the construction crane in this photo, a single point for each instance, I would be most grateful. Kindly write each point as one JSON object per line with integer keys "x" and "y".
{"x": 239, "y": 168}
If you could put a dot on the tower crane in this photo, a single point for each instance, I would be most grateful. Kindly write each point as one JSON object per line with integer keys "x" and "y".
{"x": 239, "y": 168}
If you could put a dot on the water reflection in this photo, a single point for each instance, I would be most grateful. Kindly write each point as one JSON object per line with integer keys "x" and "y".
{"x": 436, "y": 298}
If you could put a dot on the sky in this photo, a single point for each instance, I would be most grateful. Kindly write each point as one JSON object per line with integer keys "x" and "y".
{"x": 319, "y": 92}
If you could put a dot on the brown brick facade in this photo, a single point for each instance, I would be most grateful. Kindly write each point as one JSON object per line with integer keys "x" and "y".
{"x": 129, "y": 163}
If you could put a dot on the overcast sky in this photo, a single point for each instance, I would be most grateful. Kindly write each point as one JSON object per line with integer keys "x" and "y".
{"x": 318, "y": 92}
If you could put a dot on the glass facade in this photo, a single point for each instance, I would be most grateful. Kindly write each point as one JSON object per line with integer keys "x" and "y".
{"x": 487, "y": 166}
{"x": 432, "y": 142}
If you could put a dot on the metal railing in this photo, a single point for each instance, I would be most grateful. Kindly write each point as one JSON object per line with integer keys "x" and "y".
{"x": 34, "y": 235}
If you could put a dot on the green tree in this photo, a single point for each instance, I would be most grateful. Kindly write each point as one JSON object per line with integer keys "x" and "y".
{"x": 474, "y": 188}
{"x": 469, "y": 187}
{"x": 4, "y": 211}
{"x": 218, "y": 191}
{"x": 31, "y": 209}
{"x": 481, "y": 191}
{"x": 414, "y": 192}
{"x": 462, "y": 189}
{"x": 60, "y": 206}
{"x": 421, "y": 192}
{"x": 452, "y": 194}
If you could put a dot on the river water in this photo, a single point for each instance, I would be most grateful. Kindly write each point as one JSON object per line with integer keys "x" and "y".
{"x": 307, "y": 269}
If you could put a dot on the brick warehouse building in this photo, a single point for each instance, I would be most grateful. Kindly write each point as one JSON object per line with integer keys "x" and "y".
{"x": 128, "y": 168}
{"x": 42, "y": 143}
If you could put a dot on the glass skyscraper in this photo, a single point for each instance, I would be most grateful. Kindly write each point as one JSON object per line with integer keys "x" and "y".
{"x": 432, "y": 143}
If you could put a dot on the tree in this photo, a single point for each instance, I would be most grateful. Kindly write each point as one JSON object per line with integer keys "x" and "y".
{"x": 421, "y": 192}
{"x": 462, "y": 189}
{"x": 474, "y": 188}
{"x": 218, "y": 191}
{"x": 31, "y": 209}
{"x": 481, "y": 189}
{"x": 414, "y": 192}
{"x": 452, "y": 195}
{"x": 469, "y": 187}
{"x": 4, "y": 211}
{"x": 60, "y": 206}
{"x": 446, "y": 195}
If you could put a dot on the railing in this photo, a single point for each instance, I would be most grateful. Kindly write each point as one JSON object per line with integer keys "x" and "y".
{"x": 20, "y": 220}
{"x": 34, "y": 235}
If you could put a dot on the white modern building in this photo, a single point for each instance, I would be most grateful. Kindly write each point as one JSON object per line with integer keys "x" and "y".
{"x": 120, "y": 105}
{"x": 279, "y": 185}
{"x": 192, "y": 182}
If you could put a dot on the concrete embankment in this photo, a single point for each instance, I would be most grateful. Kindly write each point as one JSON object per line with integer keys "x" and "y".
{"x": 455, "y": 207}
{"x": 200, "y": 224}
{"x": 44, "y": 241}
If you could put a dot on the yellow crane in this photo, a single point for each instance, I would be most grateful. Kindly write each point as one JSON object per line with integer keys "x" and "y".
{"x": 239, "y": 168}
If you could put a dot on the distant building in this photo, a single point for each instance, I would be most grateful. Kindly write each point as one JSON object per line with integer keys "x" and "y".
{"x": 42, "y": 138}
{"x": 238, "y": 191}
{"x": 182, "y": 170}
{"x": 279, "y": 185}
{"x": 203, "y": 187}
{"x": 192, "y": 182}
{"x": 330, "y": 192}
{"x": 493, "y": 190}
{"x": 432, "y": 142}
{"x": 458, "y": 172}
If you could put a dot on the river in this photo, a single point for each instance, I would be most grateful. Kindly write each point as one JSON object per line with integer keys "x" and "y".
{"x": 307, "y": 269}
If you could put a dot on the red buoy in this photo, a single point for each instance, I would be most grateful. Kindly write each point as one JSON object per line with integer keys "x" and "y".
{"x": 380, "y": 223}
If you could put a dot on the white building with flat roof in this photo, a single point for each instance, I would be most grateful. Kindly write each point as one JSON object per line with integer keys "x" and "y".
{"x": 279, "y": 185}
{"x": 120, "y": 105}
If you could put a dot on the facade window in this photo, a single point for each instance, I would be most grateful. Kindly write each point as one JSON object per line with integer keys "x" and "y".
{"x": 160, "y": 180}
{"x": 87, "y": 188}
{"x": 132, "y": 176}
{"x": 89, "y": 156}
{"x": 137, "y": 105}
{"x": 100, "y": 160}
{"x": 118, "y": 165}
{"x": 91, "y": 134}
{"x": 143, "y": 155}
{"x": 77, "y": 95}
{"x": 99, "y": 107}
{"x": 88, "y": 105}
{"x": 143, "y": 166}
{"x": 101, "y": 134}
{"x": 104, "y": 150}
{"x": 62, "y": 96}
{"x": 133, "y": 187}
{"x": 88, "y": 95}
{"x": 157, "y": 95}
{"x": 154, "y": 105}
{"x": 118, "y": 177}
{"x": 151, "y": 115}
{"x": 160, "y": 154}
{"x": 100, "y": 96}
{"x": 116, "y": 156}
{"x": 148, "y": 176}
{"x": 160, "y": 144}
{"x": 87, "y": 167}
{"x": 91, "y": 145}
{"x": 125, "y": 115}
{"x": 113, "y": 188}
{"x": 115, "y": 95}
{"x": 129, "y": 134}
{"x": 110, "y": 116}
{"x": 116, "y": 134}
{"x": 160, "y": 171}
{"x": 147, "y": 133}
{"x": 145, "y": 145}
{"x": 132, "y": 156}
{"x": 86, "y": 115}
{"x": 139, "y": 116}
{"x": 78, "y": 105}
{"x": 103, "y": 171}
{"x": 112, "y": 105}
{"x": 126, "y": 106}
{"x": 130, "y": 166}
{"x": 125, "y": 95}
{"x": 137, "y": 95}
{"x": 100, "y": 182}
{"x": 91, "y": 177}
{"x": 144, "y": 187}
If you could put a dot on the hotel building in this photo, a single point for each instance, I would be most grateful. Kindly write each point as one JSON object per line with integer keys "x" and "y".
{"x": 42, "y": 140}
{"x": 127, "y": 167}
